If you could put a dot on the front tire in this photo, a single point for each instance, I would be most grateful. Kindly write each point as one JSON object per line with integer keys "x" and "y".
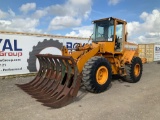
{"x": 134, "y": 70}
{"x": 97, "y": 74}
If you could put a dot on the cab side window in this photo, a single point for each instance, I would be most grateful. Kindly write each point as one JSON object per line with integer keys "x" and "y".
{"x": 119, "y": 37}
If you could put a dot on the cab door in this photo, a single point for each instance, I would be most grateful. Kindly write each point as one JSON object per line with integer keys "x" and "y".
{"x": 119, "y": 36}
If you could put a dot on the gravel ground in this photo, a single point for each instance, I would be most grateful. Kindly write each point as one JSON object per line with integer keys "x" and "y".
{"x": 123, "y": 101}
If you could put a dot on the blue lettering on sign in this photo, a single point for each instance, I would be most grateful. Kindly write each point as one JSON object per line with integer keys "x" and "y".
{"x": 157, "y": 48}
{"x": 10, "y": 49}
{"x": 15, "y": 46}
{"x": 72, "y": 45}
{"x": 7, "y": 45}
{"x": 69, "y": 44}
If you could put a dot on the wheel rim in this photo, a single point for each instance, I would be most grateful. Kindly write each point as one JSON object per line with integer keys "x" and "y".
{"x": 137, "y": 70}
{"x": 102, "y": 75}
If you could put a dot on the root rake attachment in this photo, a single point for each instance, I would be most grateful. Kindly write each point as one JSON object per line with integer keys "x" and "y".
{"x": 57, "y": 81}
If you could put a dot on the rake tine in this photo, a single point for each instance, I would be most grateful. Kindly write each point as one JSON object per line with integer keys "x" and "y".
{"x": 46, "y": 79}
{"x": 55, "y": 82}
{"x": 45, "y": 72}
{"x": 38, "y": 76}
{"x": 54, "y": 91}
{"x": 41, "y": 80}
{"x": 70, "y": 91}
{"x": 51, "y": 80}
{"x": 61, "y": 86}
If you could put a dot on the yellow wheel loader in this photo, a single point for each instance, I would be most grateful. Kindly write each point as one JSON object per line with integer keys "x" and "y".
{"x": 60, "y": 76}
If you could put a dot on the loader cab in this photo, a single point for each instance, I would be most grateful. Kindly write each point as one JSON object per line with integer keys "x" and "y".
{"x": 110, "y": 32}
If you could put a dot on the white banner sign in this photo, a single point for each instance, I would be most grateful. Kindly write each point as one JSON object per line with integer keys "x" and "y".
{"x": 156, "y": 52}
{"x": 17, "y": 52}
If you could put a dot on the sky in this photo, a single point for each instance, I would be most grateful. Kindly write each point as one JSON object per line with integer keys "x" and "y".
{"x": 74, "y": 17}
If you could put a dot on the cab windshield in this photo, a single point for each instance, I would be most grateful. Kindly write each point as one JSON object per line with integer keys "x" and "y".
{"x": 103, "y": 31}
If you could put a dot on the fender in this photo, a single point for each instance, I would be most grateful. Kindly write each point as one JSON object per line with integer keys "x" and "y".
{"x": 127, "y": 56}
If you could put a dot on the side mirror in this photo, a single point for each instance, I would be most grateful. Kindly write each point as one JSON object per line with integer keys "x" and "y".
{"x": 90, "y": 38}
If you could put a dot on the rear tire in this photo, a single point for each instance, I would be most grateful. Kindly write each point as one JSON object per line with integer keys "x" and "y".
{"x": 97, "y": 74}
{"x": 134, "y": 70}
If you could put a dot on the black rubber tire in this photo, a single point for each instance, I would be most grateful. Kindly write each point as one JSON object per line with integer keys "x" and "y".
{"x": 38, "y": 48}
{"x": 89, "y": 74}
{"x": 130, "y": 77}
